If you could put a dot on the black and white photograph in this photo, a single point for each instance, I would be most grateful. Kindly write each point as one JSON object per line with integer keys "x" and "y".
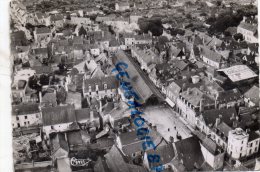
{"x": 134, "y": 85}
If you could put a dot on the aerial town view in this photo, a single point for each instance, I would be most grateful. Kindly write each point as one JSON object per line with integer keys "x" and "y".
{"x": 135, "y": 85}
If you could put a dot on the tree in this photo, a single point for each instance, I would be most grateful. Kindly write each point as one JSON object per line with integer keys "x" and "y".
{"x": 238, "y": 36}
{"x": 153, "y": 25}
{"x": 33, "y": 83}
{"x": 44, "y": 80}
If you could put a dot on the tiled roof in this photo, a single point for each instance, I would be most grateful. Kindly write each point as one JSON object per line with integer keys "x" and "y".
{"x": 230, "y": 95}
{"x": 248, "y": 26}
{"x": 138, "y": 83}
{"x": 42, "y": 69}
{"x": 253, "y": 94}
{"x": 210, "y": 54}
{"x": 210, "y": 116}
{"x": 111, "y": 82}
{"x": 195, "y": 95}
{"x": 74, "y": 138}
{"x": 25, "y": 109}
{"x": 190, "y": 152}
{"x": 84, "y": 114}
{"x": 42, "y": 30}
{"x": 166, "y": 153}
{"x": 58, "y": 115}
{"x": 58, "y": 141}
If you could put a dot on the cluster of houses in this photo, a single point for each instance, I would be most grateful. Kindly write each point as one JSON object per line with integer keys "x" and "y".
{"x": 64, "y": 90}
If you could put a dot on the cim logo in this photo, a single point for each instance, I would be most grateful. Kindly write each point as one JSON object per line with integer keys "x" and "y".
{"x": 79, "y": 162}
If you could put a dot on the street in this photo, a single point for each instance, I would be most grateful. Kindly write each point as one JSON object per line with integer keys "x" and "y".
{"x": 165, "y": 118}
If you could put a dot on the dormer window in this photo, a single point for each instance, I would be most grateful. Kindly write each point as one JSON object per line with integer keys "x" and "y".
{"x": 105, "y": 86}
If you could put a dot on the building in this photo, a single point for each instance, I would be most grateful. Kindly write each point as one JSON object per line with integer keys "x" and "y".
{"x": 26, "y": 115}
{"x": 80, "y": 20}
{"x": 248, "y": 30}
{"x": 242, "y": 143}
{"x": 251, "y": 97}
{"x": 211, "y": 57}
{"x": 57, "y": 119}
{"x": 191, "y": 102}
{"x": 42, "y": 33}
{"x": 122, "y": 6}
{"x": 100, "y": 87}
{"x": 145, "y": 57}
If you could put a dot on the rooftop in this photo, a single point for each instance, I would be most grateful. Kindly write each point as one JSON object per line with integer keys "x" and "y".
{"x": 238, "y": 73}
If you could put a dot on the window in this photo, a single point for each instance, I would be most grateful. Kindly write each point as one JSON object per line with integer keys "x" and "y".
{"x": 28, "y": 122}
{"x": 240, "y": 155}
{"x": 250, "y": 151}
{"x": 25, "y": 117}
{"x": 17, "y": 118}
{"x": 24, "y": 123}
{"x": 18, "y": 125}
{"x": 52, "y": 127}
{"x": 37, "y": 116}
{"x": 251, "y": 144}
{"x": 241, "y": 148}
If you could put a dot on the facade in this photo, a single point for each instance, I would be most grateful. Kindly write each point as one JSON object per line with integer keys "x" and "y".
{"x": 26, "y": 115}
{"x": 249, "y": 31}
{"x": 99, "y": 88}
{"x": 240, "y": 144}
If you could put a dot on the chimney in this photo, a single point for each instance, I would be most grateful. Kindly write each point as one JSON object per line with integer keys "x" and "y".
{"x": 232, "y": 117}
{"x": 244, "y": 19}
{"x": 217, "y": 122}
{"x": 201, "y": 105}
{"x": 234, "y": 124}
{"x": 216, "y": 101}
{"x": 91, "y": 117}
{"x": 171, "y": 139}
{"x": 40, "y": 96}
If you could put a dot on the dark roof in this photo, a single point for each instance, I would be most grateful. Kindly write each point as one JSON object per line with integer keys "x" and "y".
{"x": 137, "y": 81}
{"x": 230, "y": 95}
{"x": 25, "y": 109}
{"x": 84, "y": 114}
{"x": 210, "y": 54}
{"x": 210, "y": 116}
{"x": 111, "y": 81}
{"x": 42, "y": 30}
{"x": 58, "y": 115}
{"x": 74, "y": 138}
{"x": 248, "y": 26}
{"x": 42, "y": 69}
{"x": 40, "y": 51}
{"x": 180, "y": 64}
{"x": 174, "y": 51}
{"x": 166, "y": 153}
{"x": 209, "y": 144}
{"x": 253, "y": 135}
{"x": 194, "y": 95}
{"x": 190, "y": 152}
{"x": 115, "y": 160}
{"x": 58, "y": 141}
{"x": 253, "y": 94}
{"x": 224, "y": 128}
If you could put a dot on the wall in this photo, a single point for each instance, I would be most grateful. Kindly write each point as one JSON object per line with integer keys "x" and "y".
{"x": 33, "y": 119}
{"x": 215, "y": 161}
